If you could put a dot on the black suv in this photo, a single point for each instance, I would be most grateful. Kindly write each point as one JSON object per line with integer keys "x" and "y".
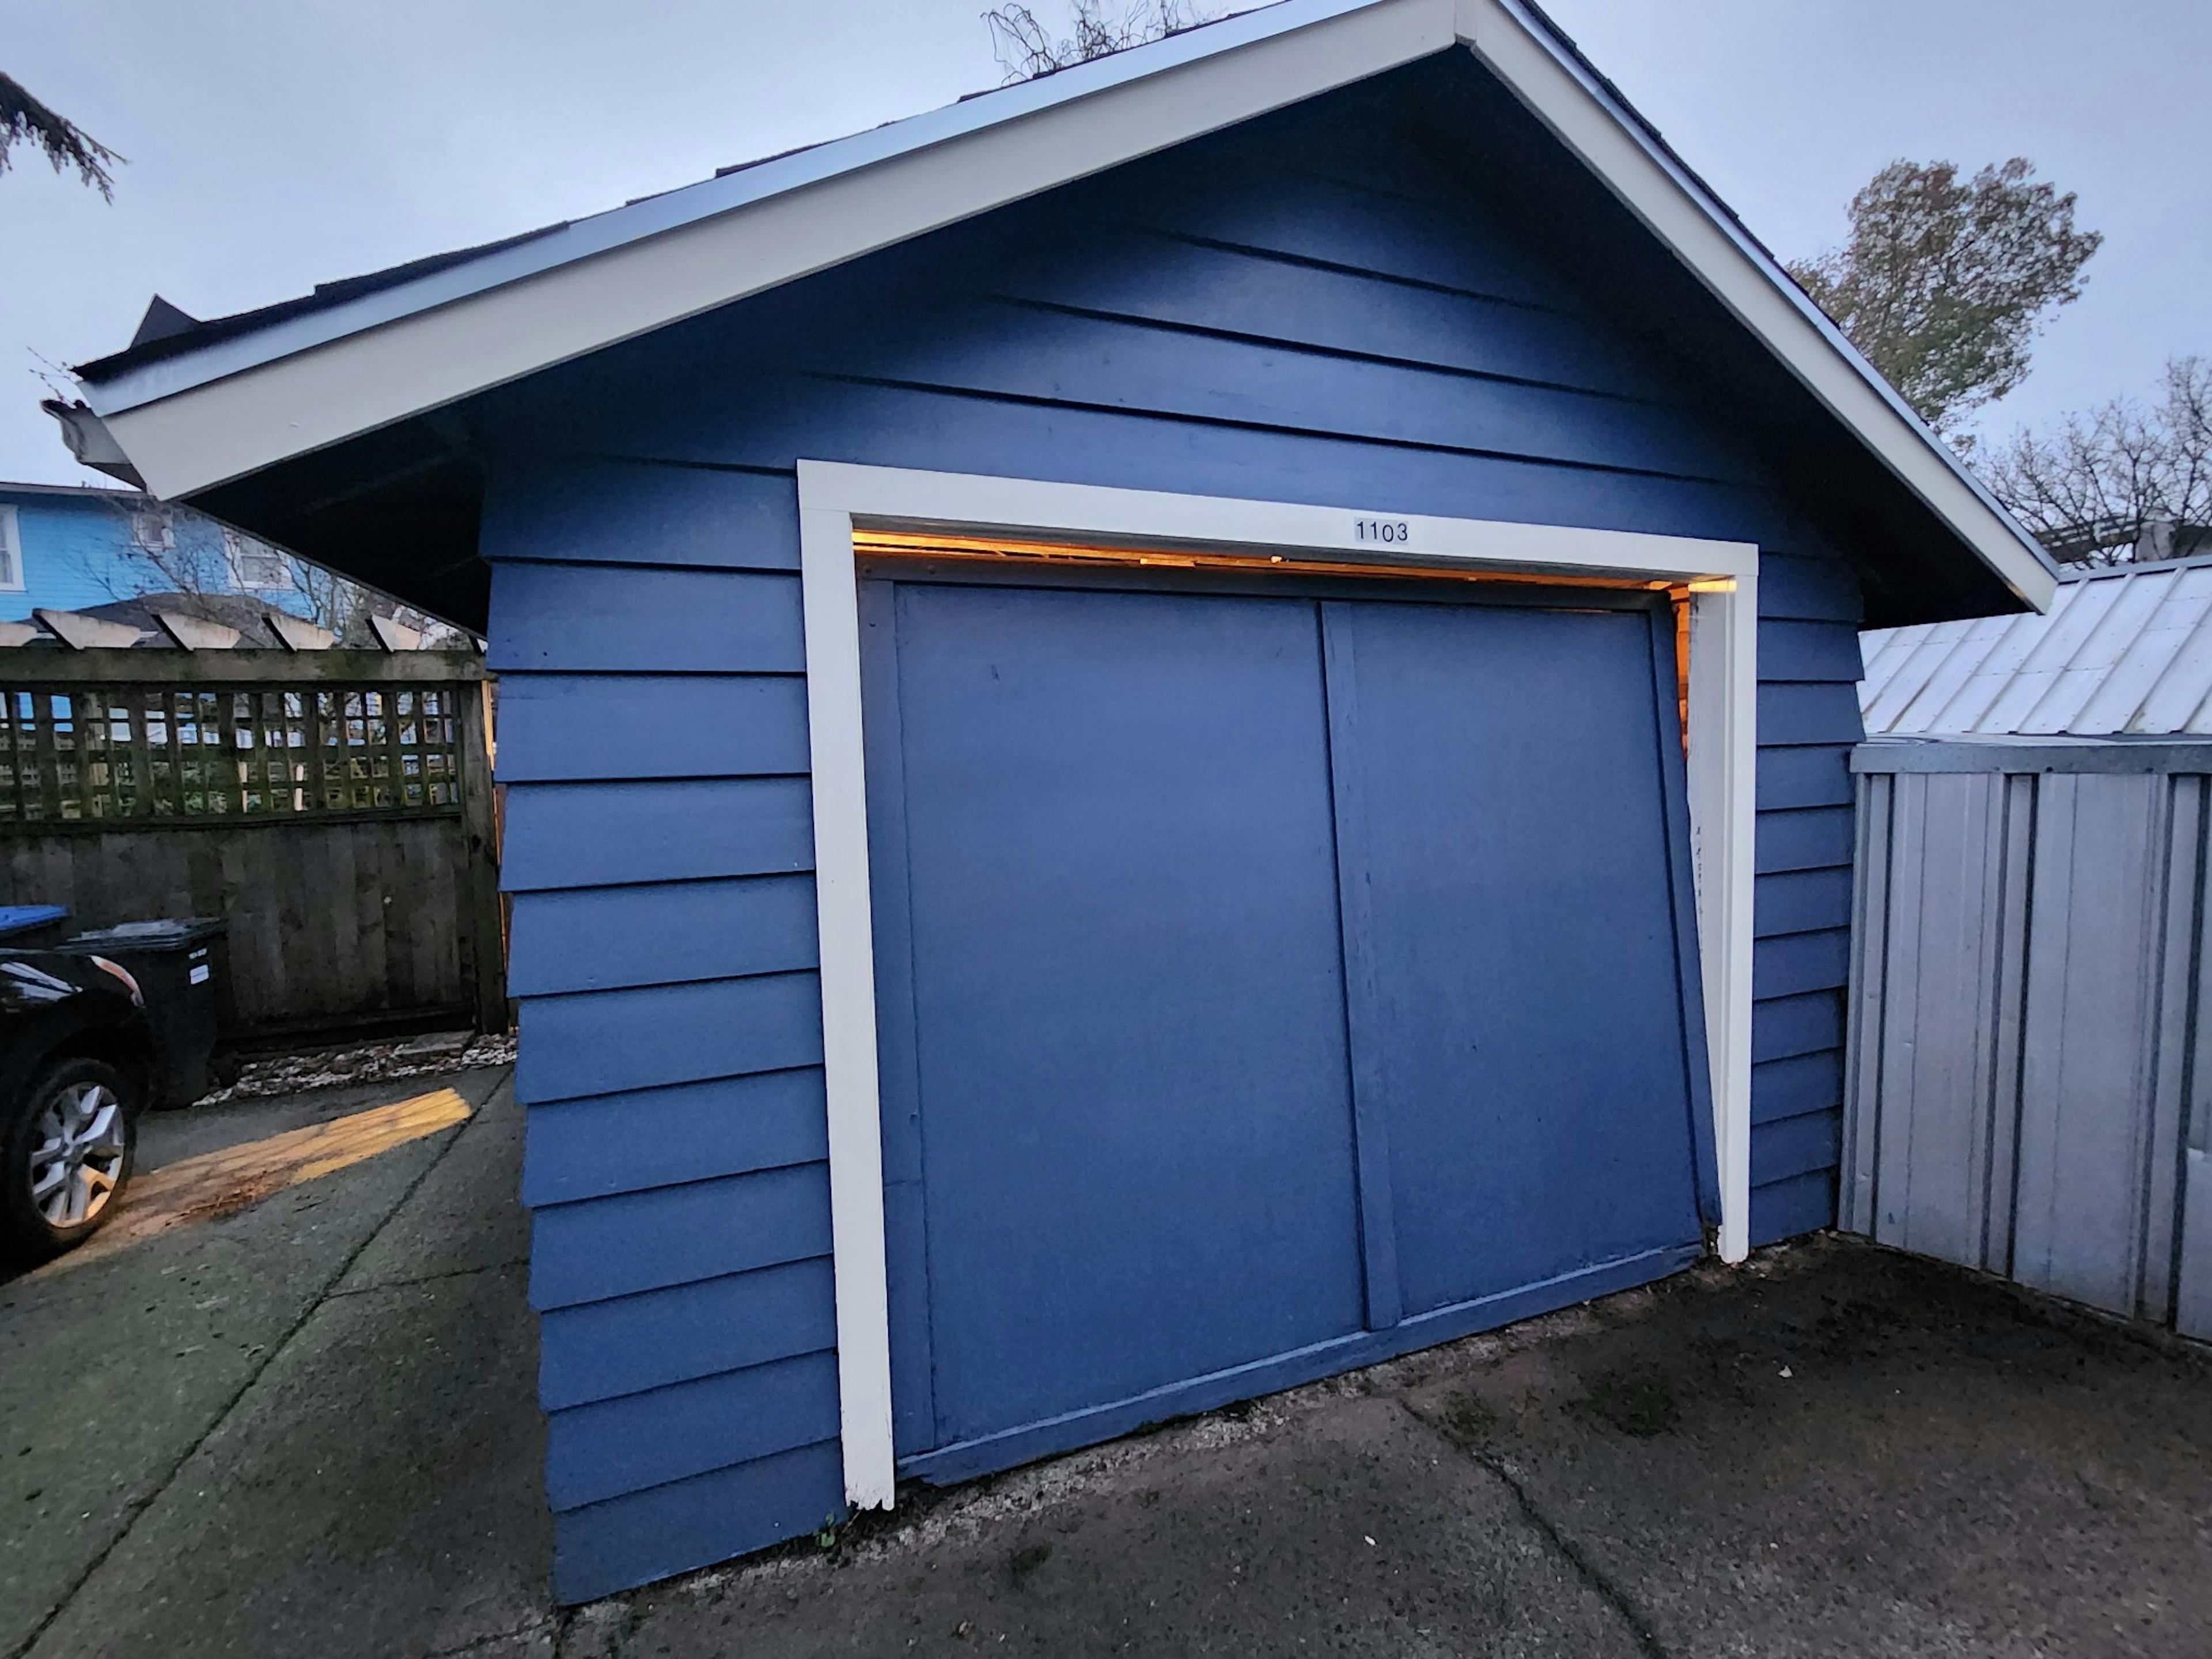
{"x": 77, "y": 1063}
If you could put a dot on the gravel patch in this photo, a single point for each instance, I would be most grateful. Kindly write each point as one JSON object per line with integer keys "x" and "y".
{"x": 264, "y": 1075}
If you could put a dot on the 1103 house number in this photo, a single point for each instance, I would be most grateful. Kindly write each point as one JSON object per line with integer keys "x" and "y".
{"x": 1393, "y": 531}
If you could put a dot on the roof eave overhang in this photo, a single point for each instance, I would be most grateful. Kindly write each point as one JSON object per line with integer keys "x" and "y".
{"x": 199, "y": 419}
{"x": 239, "y": 405}
{"x": 1590, "y": 119}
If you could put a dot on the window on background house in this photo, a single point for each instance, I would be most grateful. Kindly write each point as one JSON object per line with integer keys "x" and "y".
{"x": 152, "y": 529}
{"x": 254, "y": 565}
{"x": 11, "y": 553}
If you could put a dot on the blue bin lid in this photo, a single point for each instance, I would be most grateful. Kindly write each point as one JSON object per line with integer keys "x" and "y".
{"x": 21, "y": 918}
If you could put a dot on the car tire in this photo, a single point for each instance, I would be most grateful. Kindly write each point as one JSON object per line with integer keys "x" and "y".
{"x": 66, "y": 1153}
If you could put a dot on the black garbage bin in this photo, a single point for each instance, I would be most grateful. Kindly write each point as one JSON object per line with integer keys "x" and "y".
{"x": 182, "y": 965}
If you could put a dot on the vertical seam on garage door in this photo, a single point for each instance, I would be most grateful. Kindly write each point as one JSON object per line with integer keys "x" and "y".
{"x": 1371, "y": 1131}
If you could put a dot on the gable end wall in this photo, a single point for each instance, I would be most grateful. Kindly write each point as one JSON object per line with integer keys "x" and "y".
{"x": 1311, "y": 315}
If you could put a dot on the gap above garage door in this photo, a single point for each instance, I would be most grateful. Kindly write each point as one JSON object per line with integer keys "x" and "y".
{"x": 1275, "y": 971}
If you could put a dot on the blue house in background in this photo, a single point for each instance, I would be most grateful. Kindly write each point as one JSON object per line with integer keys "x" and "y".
{"x": 1094, "y": 690}
{"x": 66, "y": 548}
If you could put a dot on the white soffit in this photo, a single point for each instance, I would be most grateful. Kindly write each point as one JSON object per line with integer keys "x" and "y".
{"x": 202, "y": 417}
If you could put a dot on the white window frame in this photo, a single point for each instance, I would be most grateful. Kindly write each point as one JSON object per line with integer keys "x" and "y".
{"x": 237, "y": 549}
{"x": 836, "y": 499}
{"x": 153, "y": 528}
{"x": 12, "y": 578}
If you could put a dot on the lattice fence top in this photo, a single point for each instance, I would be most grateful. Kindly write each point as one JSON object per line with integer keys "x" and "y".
{"x": 130, "y": 753}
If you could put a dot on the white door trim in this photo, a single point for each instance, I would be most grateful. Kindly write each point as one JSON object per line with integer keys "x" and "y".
{"x": 834, "y": 498}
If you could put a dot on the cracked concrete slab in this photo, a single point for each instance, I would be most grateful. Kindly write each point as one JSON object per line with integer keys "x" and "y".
{"x": 448, "y": 1225}
{"x": 1346, "y": 1527}
{"x": 1847, "y": 1451}
{"x": 541, "y": 1641}
{"x": 123, "y": 1364}
{"x": 118, "y": 1365}
{"x": 375, "y": 1491}
{"x": 1836, "y": 1451}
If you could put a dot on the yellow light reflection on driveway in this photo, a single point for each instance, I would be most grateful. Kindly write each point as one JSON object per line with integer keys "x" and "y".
{"x": 221, "y": 1184}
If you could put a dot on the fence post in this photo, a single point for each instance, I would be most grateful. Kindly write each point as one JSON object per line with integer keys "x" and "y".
{"x": 487, "y": 945}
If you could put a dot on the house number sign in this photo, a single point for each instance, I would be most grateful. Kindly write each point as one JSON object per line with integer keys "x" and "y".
{"x": 1393, "y": 531}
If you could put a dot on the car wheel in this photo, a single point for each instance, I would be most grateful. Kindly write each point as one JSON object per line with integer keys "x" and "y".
{"x": 68, "y": 1148}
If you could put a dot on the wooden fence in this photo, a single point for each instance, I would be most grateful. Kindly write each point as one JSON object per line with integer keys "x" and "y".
{"x": 335, "y": 807}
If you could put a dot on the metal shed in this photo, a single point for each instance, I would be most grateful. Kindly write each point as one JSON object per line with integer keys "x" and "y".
{"x": 2027, "y": 1061}
{"x": 1164, "y": 732}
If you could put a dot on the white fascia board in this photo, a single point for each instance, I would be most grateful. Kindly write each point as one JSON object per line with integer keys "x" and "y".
{"x": 689, "y": 205}
{"x": 292, "y": 390}
{"x": 206, "y": 417}
{"x": 1586, "y": 116}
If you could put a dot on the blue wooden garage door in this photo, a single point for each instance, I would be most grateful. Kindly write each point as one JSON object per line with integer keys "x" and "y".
{"x": 1270, "y": 981}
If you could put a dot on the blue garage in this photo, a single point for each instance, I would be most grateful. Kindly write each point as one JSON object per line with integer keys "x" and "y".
{"x": 1173, "y": 730}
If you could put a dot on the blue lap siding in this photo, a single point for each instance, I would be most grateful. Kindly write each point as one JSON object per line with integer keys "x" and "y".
{"x": 1309, "y": 310}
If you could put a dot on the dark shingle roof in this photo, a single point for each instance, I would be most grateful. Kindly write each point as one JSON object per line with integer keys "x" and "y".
{"x": 192, "y": 337}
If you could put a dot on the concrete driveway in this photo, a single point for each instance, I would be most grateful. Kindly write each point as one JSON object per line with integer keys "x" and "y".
{"x": 1839, "y": 1451}
{"x": 310, "y": 1427}
{"x": 306, "y": 1426}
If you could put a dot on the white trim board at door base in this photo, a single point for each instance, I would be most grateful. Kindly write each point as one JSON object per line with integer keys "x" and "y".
{"x": 835, "y": 499}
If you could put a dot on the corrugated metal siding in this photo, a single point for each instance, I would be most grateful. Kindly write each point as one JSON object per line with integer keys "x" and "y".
{"x": 2026, "y": 1035}
{"x": 1307, "y": 311}
{"x": 2125, "y": 651}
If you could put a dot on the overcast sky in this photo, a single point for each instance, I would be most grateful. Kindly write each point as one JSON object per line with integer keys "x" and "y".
{"x": 273, "y": 143}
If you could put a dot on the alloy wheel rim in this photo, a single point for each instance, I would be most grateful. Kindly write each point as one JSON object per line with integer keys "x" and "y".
{"x": 78, "y": 1160}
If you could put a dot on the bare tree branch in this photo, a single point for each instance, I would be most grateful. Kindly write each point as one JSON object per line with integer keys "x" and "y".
{"x": 1025, "y": 48}
{"x": 24, "y": 120}
{"x": 2093, "y": 485}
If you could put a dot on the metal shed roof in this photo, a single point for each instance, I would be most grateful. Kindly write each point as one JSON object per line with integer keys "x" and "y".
{"x": 2124, "y": 652}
